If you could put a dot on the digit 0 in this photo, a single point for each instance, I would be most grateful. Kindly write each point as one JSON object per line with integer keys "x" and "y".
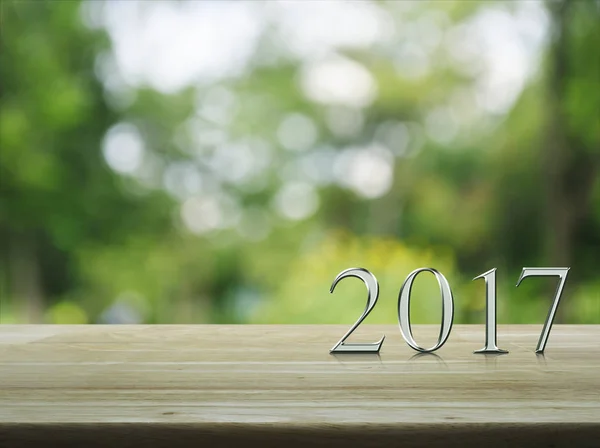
{"x": 404, "y": 310}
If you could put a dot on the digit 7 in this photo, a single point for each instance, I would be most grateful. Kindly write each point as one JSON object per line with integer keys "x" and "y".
{"x": 547, "y": 272}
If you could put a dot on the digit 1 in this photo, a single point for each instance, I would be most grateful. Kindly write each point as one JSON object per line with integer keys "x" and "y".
{"x": 490, "y": 313}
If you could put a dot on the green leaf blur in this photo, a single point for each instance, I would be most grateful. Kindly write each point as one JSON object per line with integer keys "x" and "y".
{"x": 240, "y": 197}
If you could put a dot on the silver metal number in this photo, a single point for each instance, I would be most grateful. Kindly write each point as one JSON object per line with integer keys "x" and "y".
{"x": 404, "y": 310}
{"x": 547, "y": 272}
{"x": 490, "y": 313}
{"x": 372, "y": 295}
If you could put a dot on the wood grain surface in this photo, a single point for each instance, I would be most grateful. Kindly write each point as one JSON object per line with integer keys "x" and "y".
{"x": 278, "y": 386}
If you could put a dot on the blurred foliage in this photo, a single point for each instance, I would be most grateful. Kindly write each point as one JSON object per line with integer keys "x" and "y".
{"x": 83, "y": 243}
{"x": 301, "y": 297}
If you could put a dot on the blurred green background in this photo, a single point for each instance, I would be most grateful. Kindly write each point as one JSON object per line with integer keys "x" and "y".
{"x": 221, "y": 162}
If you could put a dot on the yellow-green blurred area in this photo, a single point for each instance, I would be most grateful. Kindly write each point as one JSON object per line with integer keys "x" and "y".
{"x": 223, "y": 161}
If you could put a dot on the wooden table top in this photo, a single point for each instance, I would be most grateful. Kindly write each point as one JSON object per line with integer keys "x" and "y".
{"x": 231, "y": 385}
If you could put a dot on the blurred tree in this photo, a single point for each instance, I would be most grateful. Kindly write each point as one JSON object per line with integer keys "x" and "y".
{"x": 572, "y": 155}
{"x": 244, "y": 178}
{"x": 57, "y": 194}
{"x": 546, "y": 159}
